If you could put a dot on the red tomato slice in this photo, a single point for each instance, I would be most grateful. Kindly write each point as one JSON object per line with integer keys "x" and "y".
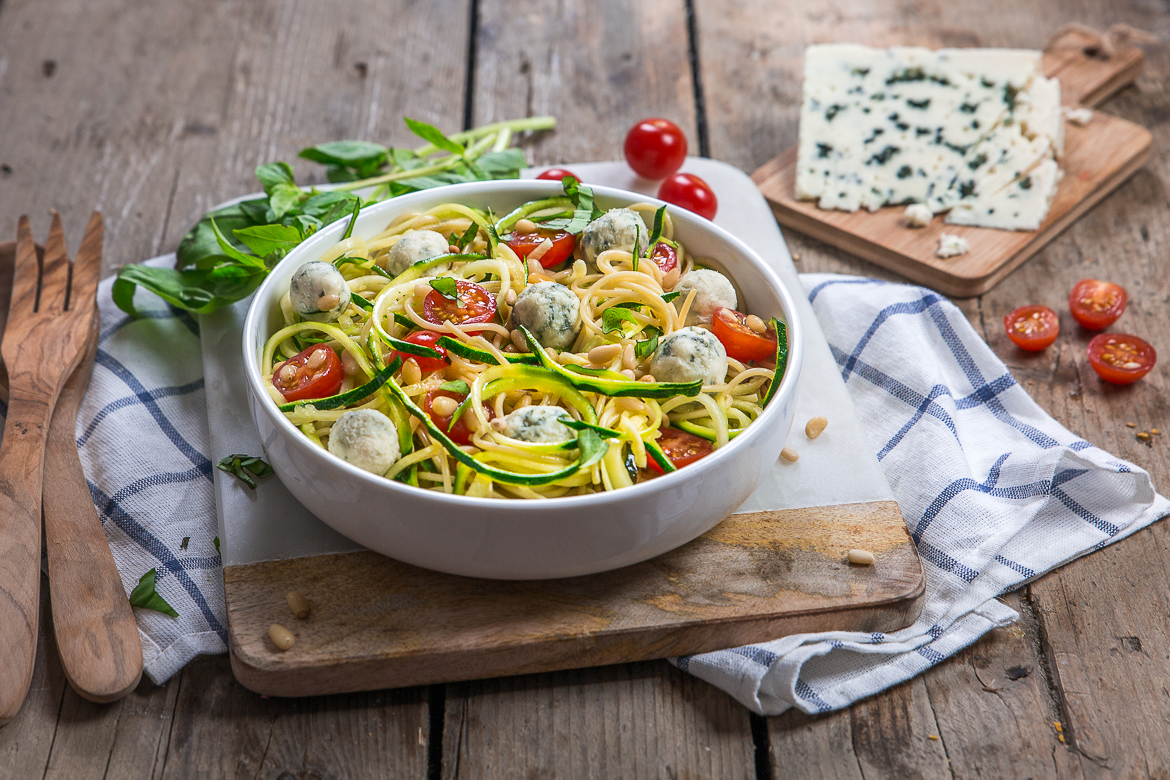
{"x": 557, "y": 174}
{"x": 740, "y": 341}
{"x": 655, "y": 148}
{"x": 424, "y": 338}
{"x": 459, "y": 432}
{"x": 313, "y": 373}
{"x": 664, "y": 257}
{"x": 1032, "y": 327}
{"x": 688, "y": 191}
{"x": 475, "y": 304}
{"x": 563, "y": 244}
{"x": 681, "y": 448}
{"x": 1120, "y": 358}
{"x": 1095, "y": 304}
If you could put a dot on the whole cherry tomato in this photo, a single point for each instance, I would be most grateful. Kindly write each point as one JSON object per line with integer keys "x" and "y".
{"x": 315, "y": 372}
{"x": 740, "y": 341}
{"x": 474, "y": 305}
{"x": 664, "y": 257}
{"x": 655, "y": 148}
{"x": 524, "y": 244}
{"x": 681, "y": 448}
{"x": 1095, "y": 304}
{"x": 688, "y": 191}
{"x": 1032, "y": 327}
{"x": 424, "y": 338}
{"x": 556, "y": 174}
{"x": 459, "y": 432}
{"x": 1120, "y": 358}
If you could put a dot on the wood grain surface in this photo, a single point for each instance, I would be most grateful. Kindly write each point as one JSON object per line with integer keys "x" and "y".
{"x": 155, "y": 112}
{"x": 1097, "y": 159}
{"x": 379, "y": 623}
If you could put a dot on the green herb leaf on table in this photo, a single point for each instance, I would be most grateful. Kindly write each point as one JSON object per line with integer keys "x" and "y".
{"x": 434, "y": 135}
{"x": 144, "y": 595}
{"x": 245, "y": 467}
{"x": 215, "y": 541}
{"x": 265, "y": 240}
{"x": 273, "y": 175}
{"x": 447, "y": 287}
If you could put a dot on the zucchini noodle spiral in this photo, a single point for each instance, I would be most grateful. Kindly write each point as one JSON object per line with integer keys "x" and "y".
{"x": 450, "y": 416}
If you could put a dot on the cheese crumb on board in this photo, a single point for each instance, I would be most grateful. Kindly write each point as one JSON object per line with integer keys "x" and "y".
{"x": 918, "y": 215}
{"x": 947, "y": 128}
{"x": 1078, "y": 116}
{"x": 950, "y": 245}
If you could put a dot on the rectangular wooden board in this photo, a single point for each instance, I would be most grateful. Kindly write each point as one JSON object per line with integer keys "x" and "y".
{"x": 378, "y": 623}
{"x": 1097, "y": 159}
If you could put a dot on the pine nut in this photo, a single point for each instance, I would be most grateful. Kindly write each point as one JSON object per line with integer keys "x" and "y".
{"x": 298, "y": 605}
{"x": 629, "y": 405}
{"x": 287, "y": 374}
{"x": 316, "y": 359}
{"x": 535, "y": 278}
{"x": 470, "y": 420}
{"x": 604, "y": 353}
{"x": 790, "y": 455}
{"x": 328, "y": 302}
{"x": 755, "y": 323}
{"x": 452, "y": 249}
{"x": 525, "y": 226}
{"x": 524, "y": 400}
{"x": 861, "y": 557}
{"x": 534, "y": 267}
{"x": 628, "y": 359}
{"x": 815, "y": 427}
{"x": 519, "y": 342}
{"x": 628, "y": 374}
{"x": 499, "y": 424}
{"x": 444, "y": 406}
{"x": 281, "y": 636}
{"x": 510, "y": 297}
{"x": 670, "y": 279}
{"x": 647, "y": 378}
{"x": 411, "y": 373}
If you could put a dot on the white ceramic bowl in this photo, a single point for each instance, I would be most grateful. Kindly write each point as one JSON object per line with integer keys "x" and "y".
{"x": 512, "y": 538}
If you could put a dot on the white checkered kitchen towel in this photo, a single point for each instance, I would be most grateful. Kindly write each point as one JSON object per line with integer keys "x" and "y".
{"x": 996, "y": 492}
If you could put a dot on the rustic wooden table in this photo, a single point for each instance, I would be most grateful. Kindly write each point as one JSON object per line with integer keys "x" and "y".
{"x": 152, "y": 112}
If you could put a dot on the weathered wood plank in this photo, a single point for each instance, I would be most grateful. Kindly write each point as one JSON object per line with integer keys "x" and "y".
{"x": 645, "y": 720}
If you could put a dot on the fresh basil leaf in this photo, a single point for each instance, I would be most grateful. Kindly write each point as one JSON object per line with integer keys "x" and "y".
{"x": 263, "y": 240}
{"x": 320, "y": 203}
{"x": 465, "y": 240}
{"x": 347, "y": 153}
{"x": 504, "y": 164}
{"x": 646, "y": 348}
{"x": 255, "y": 466}
{"x": 190, "y": 290}
{"x": 670, "y": 296}
{"x": 458, "y": 386}
{"x": 656, "y": 231}
{"x": 446, "y": 286}
{"x": 215, "y": 541}
{"x": 357, "y": 206}
{"x": 144, "y": 595}
{"x": 434, "y": 135}
{"x": 634, "y": 259}
{"x": 273, "y": 175}
{"x": 231, "y": 251}
{"x": 256, "y": 211}
{"x": 283, "y": 199}
{"x": 306, "y": 225}
{"x": 612, "y": 319}
{"x": 200, "y": 249}
{"x": 582, "y": 198}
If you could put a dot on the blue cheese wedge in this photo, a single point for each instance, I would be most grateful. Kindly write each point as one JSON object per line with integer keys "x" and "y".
{"x": 910, "y": 125}
{"x": 1022, "y": 205}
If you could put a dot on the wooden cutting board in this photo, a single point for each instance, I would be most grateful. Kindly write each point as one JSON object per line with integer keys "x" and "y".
{"x": 1097, "y": 159}
{"x": 778, "y": 568}
{"x": 379, "y": 623}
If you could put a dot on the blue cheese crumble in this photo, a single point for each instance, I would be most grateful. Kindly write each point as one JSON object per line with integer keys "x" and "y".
{"x": 551, "y": 311}
{"x": 414, "y": 247}
{"x": 318, "y": 292}
{"x": 689, "y": 355}
{"x": 367, "y": 439}
{"x": 538, "y": 424}
{"x": 615, "y": 229}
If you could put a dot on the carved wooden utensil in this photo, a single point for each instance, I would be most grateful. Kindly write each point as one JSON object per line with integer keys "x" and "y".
{"x": 49, "y": 322}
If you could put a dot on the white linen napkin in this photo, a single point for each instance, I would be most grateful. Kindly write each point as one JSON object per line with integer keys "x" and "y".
{"x": 996, "y": 492}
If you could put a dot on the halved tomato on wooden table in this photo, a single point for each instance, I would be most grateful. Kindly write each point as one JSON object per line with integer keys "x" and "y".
{"x": 1121, "y": 358}
{"x": 1032, "y": 328}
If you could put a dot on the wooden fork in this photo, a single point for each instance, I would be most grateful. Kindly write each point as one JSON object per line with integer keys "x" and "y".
{"x": 46, "y": 334}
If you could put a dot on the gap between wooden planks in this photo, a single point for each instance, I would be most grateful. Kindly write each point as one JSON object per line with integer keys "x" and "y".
{"x": 1097, "y": 159}
{"x": 379, "y": 623}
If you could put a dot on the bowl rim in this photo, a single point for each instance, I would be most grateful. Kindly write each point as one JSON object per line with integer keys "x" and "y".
{"x": 330, "y": 234}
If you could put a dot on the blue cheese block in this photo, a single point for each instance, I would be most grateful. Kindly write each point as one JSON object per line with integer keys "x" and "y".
{"x": 1022, "y": 205}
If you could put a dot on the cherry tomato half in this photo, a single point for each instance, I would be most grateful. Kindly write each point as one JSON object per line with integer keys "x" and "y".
{"x": 1095, "y": 304}
{"x": 681, "y": 448}
{"x": 459, "y": 432}
{"x": 1120, "y": 358}
{"x": 1032, "y": 327}
{"x": 664, "y": 257}
{"x": 740, "y": 341}
{"x": 655, "y": 148}
{"x": 315, "y": 372}
{"x": 563, "y": 244}
{"x": 556, "y": 174}
{"x": 688, "y": 191}
{"x": 425, "y": 338}
{"x": 475, "y": 304}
